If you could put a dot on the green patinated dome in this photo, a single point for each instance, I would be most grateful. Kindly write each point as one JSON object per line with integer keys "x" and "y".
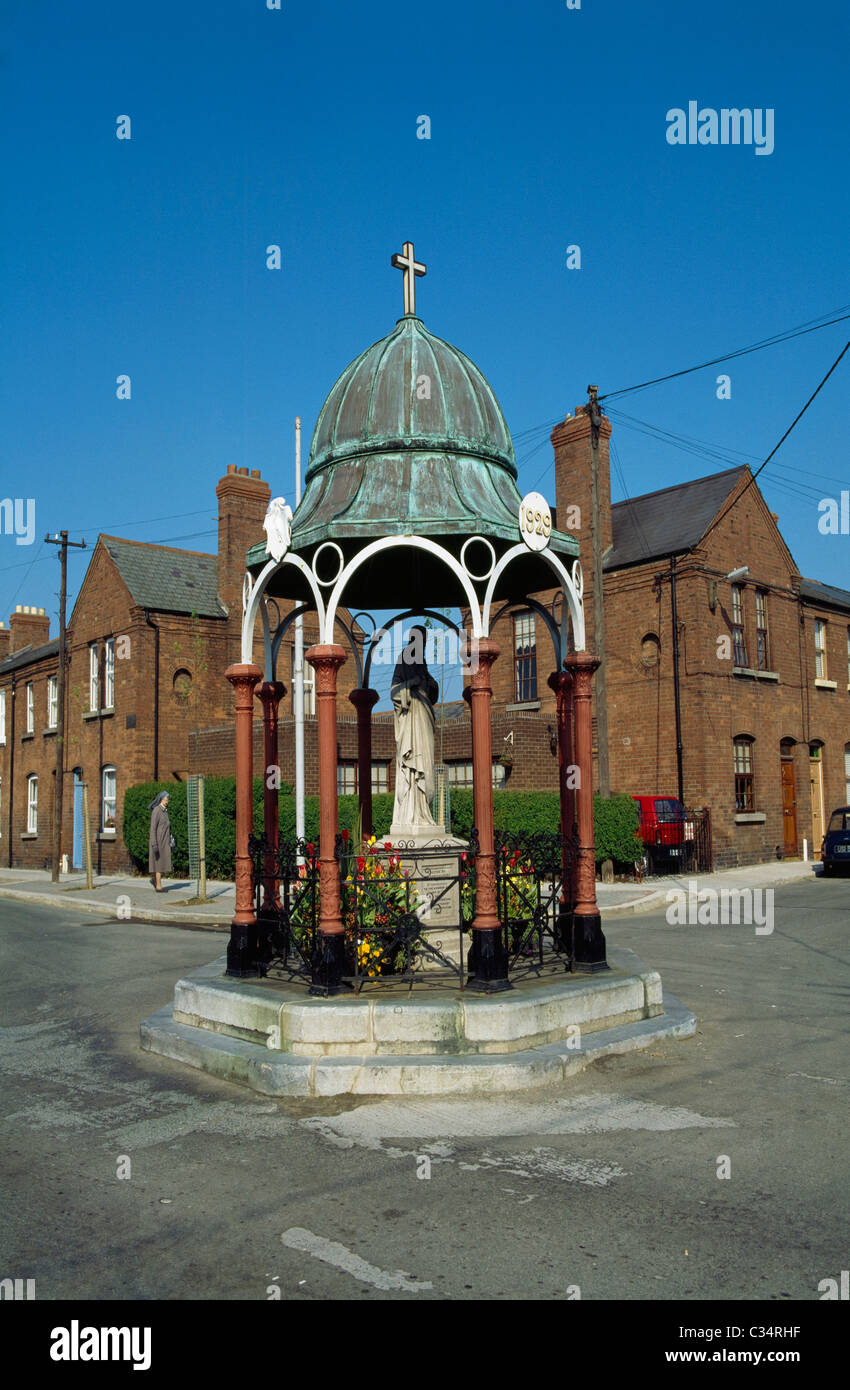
{"x": 411, "y": 441}
{"x": 415, "y": 391}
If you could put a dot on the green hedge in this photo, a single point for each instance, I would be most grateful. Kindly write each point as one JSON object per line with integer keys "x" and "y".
{"x": 515, "y": 813}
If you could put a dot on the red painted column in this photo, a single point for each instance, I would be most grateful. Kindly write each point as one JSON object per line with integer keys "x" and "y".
{"x": 561, "y": 682}
{"x": 270, "y": 694}
{"x": 242, "y": 950}
{"x": 488, "y": 959}
{"x": 329, "y": 958}
{"x": 364, "y": 701}
{"x": 588, "y": 938}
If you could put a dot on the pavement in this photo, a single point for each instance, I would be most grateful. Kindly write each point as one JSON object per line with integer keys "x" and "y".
{"x": 127, "y": 896}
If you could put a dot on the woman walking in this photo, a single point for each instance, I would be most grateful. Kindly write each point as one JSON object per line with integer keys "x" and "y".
{"x": 159, "y": 841}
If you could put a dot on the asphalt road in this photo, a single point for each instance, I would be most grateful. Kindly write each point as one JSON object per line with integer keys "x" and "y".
{"x": 608, "y": 1184}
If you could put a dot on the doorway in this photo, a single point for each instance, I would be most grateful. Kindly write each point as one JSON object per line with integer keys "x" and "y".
{"x": 816, "y": 781}
{"x": 77, "y": 848}
{"x": 789, "y": 798}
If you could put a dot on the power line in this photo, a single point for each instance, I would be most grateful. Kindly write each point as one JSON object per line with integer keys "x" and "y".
{"x": 729, "y": 356}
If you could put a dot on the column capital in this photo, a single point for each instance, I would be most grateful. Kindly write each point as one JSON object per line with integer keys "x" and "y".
{"x": 560, "y": 680}
{"x": 363, "y": 698}
{"x": 243, "y": 674}
{"x": 484, "y": 653}
{"x": 581, "y": 665}
{"x": 270, "y": 692}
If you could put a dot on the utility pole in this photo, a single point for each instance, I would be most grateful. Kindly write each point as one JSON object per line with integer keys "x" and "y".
{"x": 62, "y": 541}
{"x": 599, "y": 613}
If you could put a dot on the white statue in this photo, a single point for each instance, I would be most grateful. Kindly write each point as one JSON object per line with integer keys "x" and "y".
{"x": 277, "y": 526}
{"x": 414, "y": 693}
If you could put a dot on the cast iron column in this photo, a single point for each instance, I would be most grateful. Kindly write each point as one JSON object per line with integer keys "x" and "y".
{"x": 588, "y": 939}
{"x": 329, "y": 956}
{"x": 270, "y": 694}
{"x": 242, "y": 950}
{"x": 561, "y": 682}
{"x": 364, "y": 701}
{"x": 488, "y": 959}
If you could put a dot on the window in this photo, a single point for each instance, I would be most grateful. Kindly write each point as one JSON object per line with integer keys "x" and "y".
{"x": 847, "y": 773}
{"x": 739, "y": 646}
{"x": 3, "y": 713}
{"x": 346, "y": 779}
{"x": 52, "y": 702}
{"x": 108, "y": 800}
{"x": 820, "y": 649}
{"x": 309, "y": 686}
{"x": 94, "y": 676}
{"x": 762, "y": 642}
{"x": 460, "y": 775}
{"x": 3, "y": 705}
{"x": 525, "y": 657}
{"x": 744, "y": 799}
{"x": 347, "y": 782}
{"x": 109, "y": 674}
{"x": 30, "y": 707}
{"x": 32, "y": 805}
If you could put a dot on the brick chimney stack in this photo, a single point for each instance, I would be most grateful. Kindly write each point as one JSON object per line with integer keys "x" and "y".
{"x": 571, "y": 442}
{"x": 243, "y": 500}
{"x": 28, "y": 627}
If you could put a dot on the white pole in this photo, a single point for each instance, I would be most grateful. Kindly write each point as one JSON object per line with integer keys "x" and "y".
{"x": 298, "y": 674}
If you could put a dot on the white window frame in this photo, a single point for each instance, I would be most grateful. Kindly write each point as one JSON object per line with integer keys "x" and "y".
{"x": 94, "y": 676}
{"x": 32, "y": 804}
{"x": 3, "y": 706}
{"x": 346, "y": 779}
{"x": 820, "y": 650}
{"x": 52, "y": 702}
{"x": 30, "y": 689}
{"x": 109, "y": 674}
{"x": 847, "y": 774}
{"x": 107, "y": 800}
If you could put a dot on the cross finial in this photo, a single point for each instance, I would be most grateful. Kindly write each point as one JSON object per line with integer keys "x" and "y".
{"x": 404, "y": 261}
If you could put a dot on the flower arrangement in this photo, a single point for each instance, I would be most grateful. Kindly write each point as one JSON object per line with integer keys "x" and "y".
{"x": 375, "y": 892}
{"x": 518, "y": 890}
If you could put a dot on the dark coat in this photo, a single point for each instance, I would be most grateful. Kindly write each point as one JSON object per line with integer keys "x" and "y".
{"x": 159, "y": 841}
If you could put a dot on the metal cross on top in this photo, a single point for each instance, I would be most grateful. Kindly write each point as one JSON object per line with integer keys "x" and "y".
{"x": 404, "y": 261}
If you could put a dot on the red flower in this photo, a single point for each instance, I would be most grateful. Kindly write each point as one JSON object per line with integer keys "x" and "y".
{"x": 311, "y": 848}
{"x": 388, "y": 844}
{"x": 361, "y": 863}
{"x": 346, "y": 834}
{"x": 463, "y": 856}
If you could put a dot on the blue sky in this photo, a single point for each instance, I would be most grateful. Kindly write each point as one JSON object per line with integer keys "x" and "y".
{"x": 298, "y": 127}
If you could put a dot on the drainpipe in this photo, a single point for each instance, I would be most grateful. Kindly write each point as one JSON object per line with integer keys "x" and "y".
{"x": 676, "y": 692}
{"x": 11, "y": 766}
{"x": 155, "y": 627}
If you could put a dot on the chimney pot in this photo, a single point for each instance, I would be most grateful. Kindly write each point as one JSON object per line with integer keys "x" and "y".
{"x": 255, "y": 473}
{"x": 231, "y": 468}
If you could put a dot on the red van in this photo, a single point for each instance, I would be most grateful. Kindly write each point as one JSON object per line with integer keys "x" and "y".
{"x": 664, "y": 831}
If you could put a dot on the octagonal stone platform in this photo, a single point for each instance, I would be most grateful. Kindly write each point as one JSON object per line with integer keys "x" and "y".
{"x": 273, "y": 1037}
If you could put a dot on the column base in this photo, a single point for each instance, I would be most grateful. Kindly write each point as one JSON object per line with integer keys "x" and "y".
{"x": 487, "y": 963}
{"x": 242, "y": 951}
{"x": 329, "y": 965}
{"x": 588, "y": 944}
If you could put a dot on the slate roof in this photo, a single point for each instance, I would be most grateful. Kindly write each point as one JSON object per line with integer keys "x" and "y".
{"x": 167, "y": 580}
{"x": 668, "y": 522}
{"x": 816, "y": 592}
{"x": 27, "y": 656}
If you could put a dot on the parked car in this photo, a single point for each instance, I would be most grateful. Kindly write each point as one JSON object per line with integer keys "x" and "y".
{"x": 664, "y": 831}
{"x": 835, "y": 849}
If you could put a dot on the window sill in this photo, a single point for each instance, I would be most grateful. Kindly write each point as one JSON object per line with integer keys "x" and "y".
{"x": 99, "y": 713}
{"x": 755, "y": 675}
{"x": 26, "y": 738}
{"x": 525, "y": 704}
{"x": 49, "y": 733}
{"x": 105, "y": 835}
{"x": 825, "y": 685}
{"x": 29, "y": 834}
{"x": 750, "y": 817}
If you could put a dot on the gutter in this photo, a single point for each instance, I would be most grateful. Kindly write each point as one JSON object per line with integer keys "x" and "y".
{"x": 155, "y": 627}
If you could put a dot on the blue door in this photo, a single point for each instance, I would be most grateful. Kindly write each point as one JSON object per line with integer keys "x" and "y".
{"x": 77, "y": 856}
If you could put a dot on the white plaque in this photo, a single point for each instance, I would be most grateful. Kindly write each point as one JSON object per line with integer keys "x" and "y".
{"x": 535, "y": 521}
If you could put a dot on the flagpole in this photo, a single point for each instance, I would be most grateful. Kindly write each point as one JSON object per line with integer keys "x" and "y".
{"x": 298, "y": 673}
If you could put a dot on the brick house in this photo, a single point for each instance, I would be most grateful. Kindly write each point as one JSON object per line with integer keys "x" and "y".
{"x": 763, "y": 661}
{"x": 152, "y": 632}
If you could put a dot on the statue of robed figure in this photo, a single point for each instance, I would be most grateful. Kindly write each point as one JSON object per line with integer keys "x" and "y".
{"x": 414, "y": 693}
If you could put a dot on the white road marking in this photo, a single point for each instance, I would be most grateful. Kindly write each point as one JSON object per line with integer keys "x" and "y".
{"x": 331, "y": 1252}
